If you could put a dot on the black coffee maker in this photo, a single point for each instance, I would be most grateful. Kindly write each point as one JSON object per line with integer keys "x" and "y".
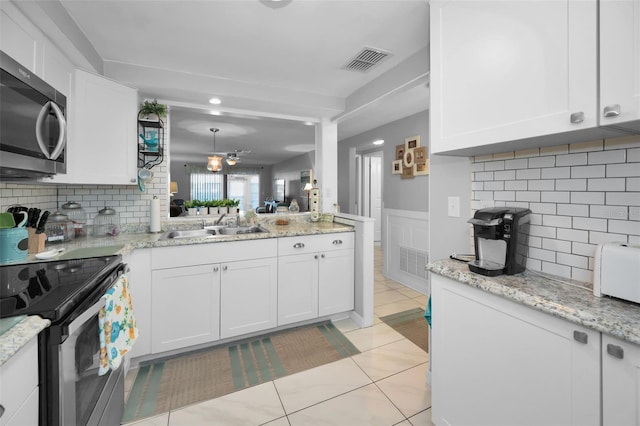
{"x": 501, "y": 239}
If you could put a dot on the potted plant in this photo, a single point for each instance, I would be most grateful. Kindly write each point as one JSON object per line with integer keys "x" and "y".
{"x": 235, "y": 204}
{"x": 214, "y": 207}
{"x": 193, "y": 207}
{"x": 152, "y": 111}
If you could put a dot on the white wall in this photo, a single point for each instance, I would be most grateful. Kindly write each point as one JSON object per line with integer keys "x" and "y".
{"x": 290, "y": 171}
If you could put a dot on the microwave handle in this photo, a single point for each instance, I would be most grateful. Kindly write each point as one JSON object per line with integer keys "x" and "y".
{"x": 62, "y": 140}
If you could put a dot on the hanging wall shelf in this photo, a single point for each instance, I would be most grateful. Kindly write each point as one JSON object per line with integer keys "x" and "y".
{"x": 150, "y": 142}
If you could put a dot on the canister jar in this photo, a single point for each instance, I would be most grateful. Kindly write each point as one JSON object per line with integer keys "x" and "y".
{"x": 106, "y": 223}
{"x": 59, "y": 228}
{"x": 77, "y": 215}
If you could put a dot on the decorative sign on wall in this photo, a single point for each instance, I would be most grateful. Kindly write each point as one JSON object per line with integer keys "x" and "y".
{"x": 411, "y": 159}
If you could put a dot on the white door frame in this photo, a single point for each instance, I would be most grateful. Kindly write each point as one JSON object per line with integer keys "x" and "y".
{"x": 372, "y": 181}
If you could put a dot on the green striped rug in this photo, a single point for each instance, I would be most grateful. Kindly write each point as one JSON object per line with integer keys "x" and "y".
{"x": 165, "y": 384}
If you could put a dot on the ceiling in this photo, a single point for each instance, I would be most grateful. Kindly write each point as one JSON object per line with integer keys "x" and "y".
{"x": 274, "y": 65}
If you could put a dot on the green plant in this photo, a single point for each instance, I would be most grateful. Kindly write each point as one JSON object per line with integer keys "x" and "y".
{"x": 193, "y": 203}
{"x": 216, "y": 203}
{"x": 153, "y": 107}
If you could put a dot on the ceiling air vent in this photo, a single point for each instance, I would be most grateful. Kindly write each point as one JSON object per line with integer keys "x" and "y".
{"x": 366, "y": 59}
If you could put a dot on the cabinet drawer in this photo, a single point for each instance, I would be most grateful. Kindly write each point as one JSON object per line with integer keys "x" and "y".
{"x": 18, "y": 379}
{"x": 315, "y": 243}
{"x": 203, "y": 254}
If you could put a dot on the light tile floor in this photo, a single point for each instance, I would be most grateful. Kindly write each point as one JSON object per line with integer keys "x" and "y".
{"x": 383, "y": 385}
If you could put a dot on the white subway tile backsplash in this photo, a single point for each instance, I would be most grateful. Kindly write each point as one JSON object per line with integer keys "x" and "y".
{"x": 608, "y": 157}
{"x": 595, "y": 145}
{"x": 505, "y": 175}
{"x": 541, "y": 185}
{"x": 588, "y": 171}
{"x": 536, "y": 218}
{"x": 541, "y": 254}
{"x": 556, "y": 173}
{"x": 632, "y": 141}
{"x": 548, "y": 161}
{"x": 534, "y": 152}
{"x": 494, "y": 186}
{"x": 606, "y": 184}
{"x": 516, "y": 185}
{"x": 477, "y": 186}
{"x": 633, "y": 184}
{"x": 583, "y": 249}
{"x": 557, "y": 221}
{"x": 534, "y": 264}
{"x": 503, "y": 156}
{"x": 587, "y": 197}
{"x": 493, "y": 166}
{"x": 531, "y": 196}
{"x": 480, "y": 176}
{"x": 556, "y": 245}
{"x": 609, "y": 212}
{"x": 634, "y": 240}
{"x": 535, "y": 242}
{"x": 590, "y": 224}
{"x": 634, "y": 213}
{"x": 554, "y": 196}
{"x": 573, "y": 210}
{"x": 521, "y": 163}
{"x": 583, "y": 275}
{"x": 504, "y": 195}
{"x": 633, "y": 155}
{"x": 572, "y": 159}
{"x": 481, "y": 158}
{"x": 483, "y": 195}
{"x": 604, "y": 237}
{"x": 571, "y": 185}
{"x": 573, "y": 235}
{"x": 624, "y": 227}
{"x": 528, "y": 174}
{"x": 623, "y": 198}
{"x": 556, "y": 269}
{"x": 554, "y": 150}
{"x": 573, "y": 260}
{"x": 543, "y": 208}
{"x": 542, "y": 231}
{"x": 623, "y": 170}
{"x": 477, "y": 167}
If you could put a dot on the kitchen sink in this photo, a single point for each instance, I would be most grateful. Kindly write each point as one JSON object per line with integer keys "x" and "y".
{"x": 213, "y": 231}
{"x": 234, "y": 230}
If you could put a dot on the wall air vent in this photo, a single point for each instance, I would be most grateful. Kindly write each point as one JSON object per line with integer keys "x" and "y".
{"x": 366, "y": 59}
{"x": 413, "y": 261}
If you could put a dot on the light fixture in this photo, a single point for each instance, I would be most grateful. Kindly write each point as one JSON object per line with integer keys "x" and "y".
{"x": 173, "y": 188}
{"x": 215, "y": 161}
{"x": 232, "y": 159}
{"x": 378, "y": 142}
{"x": 215, "y": 101}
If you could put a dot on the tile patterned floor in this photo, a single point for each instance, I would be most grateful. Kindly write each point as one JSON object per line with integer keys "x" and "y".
{"x": 384, "y": 385}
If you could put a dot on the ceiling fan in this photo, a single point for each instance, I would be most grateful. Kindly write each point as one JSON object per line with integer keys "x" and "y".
{"x": 234, "y": 157}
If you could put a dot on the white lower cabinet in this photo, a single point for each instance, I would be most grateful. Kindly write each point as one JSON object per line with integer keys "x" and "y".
{"x": 139, "y": 279}
{"x": 185, "y": 307}
{"x": 248, "y": 296}
{"x": 19, "y": 387}
{"x": 315, "y": 276}
{"x": 620, "y": 382}
{"x": 495, "y": 362}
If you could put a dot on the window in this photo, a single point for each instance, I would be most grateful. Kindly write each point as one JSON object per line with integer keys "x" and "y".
{"x": 207, "y": 186}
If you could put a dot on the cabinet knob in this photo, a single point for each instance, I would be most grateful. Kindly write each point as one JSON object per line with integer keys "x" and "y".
{"x": 577, "y": 117}
{"x": 322, "y": 255}
{"x": 615, "y": 351}
{"x": 216, "y": 269}
{"x": 298, "y": 245}
{"x": 337, "y": 242}
{"x": 611, "y": 110}
{"x": 224, "y": 268}
{"x": 315, "y": 257}
{"x": 133, "y": 180}
{"x": 580, "y": 336}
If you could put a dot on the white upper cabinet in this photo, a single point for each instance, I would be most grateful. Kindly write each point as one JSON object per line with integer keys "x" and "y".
{"x": 620, "y": 63}
{"x": 502, "y": 71}
{"x": 101, "y": 141}
{"x": 19, "y": 38}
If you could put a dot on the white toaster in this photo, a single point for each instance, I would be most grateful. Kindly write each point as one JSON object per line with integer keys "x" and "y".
{"x": 616, "y": 271}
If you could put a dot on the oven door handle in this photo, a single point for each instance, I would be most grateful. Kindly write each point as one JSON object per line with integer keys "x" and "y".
{"x": 62, "y": 125}
{"x": 77, "y": 323}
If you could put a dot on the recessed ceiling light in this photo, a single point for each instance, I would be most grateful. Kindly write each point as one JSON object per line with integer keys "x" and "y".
{"x": 308, "y": 123}
{"x": 378, "y": 142}
{"x": 215, "y": 113}
{"x": 215, "y": 101}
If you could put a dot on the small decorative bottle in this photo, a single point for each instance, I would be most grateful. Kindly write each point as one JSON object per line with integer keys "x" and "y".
{"x": 314, "y": 199}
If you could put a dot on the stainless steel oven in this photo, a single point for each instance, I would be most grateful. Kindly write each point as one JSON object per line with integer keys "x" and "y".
{"x": 69, "y": 293}
{"x": 32, "y": 124}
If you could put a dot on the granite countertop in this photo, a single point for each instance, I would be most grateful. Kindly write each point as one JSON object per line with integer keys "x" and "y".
{"x": 19, "y": 335}
{"x": 126, "y": 242}
{"x": 570, "y": 300}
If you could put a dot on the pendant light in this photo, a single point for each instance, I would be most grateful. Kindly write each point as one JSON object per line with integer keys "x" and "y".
{"x": 232, "y": 159}
{"x": 215, "y": 161}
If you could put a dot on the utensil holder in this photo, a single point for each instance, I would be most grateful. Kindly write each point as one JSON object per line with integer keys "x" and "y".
{"x": 36, "y": 241}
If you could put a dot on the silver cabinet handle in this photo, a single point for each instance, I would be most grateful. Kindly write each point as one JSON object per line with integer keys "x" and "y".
{"x": 132, "y": 180}
{"x": 298, "y": 245}
{"x": 315, "y": 257}
{"x": 611, "y": 110}
{"x": 577, "y": 117}
{"x": 224, "y": 268}
{"x": 216, "y": 269}
{"x": 580, "y": 336}
{"x": 615, "y": 351}
{"x": 322, "y": 255}
{"x": 336, "y": 242}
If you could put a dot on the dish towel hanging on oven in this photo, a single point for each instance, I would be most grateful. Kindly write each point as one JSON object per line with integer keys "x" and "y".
{"x": 117, "y": 326}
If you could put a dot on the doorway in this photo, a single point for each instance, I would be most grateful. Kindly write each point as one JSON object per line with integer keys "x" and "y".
{"x": 370, "y": 190}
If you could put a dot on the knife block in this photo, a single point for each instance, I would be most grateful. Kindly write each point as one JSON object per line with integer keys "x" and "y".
{"x": 36, "y": 241}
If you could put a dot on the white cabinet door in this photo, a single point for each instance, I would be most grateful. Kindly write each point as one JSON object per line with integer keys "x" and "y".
{"x": 139, "y": 277}
{"x": 620, "y": 382}
{"x": 620, "y": 63}
{"x": 297, "y": 288}
{"x": 19, "y": 38}
{"x": 102, "y": 127}
{"x": 336, "y": 282}
{"x": 185, "y": 302}
{"x": 19, "y": 387}
{"x": 56, "y": 69}
{"x": 503, "y": 71}
{"x": 495, "y": 362}
{"x": 248, "y": 296}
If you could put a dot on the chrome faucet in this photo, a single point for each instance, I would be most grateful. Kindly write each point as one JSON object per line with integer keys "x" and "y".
{"x": 217, "y": 222}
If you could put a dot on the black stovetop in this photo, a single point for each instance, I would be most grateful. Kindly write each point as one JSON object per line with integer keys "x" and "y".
{"x": 50, "y": 289}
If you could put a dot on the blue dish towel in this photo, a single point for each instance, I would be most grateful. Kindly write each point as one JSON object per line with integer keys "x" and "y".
{"x": 427, "y": 311}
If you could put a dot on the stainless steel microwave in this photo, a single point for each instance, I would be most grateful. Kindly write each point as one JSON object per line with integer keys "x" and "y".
{"x": 33, "y": 127}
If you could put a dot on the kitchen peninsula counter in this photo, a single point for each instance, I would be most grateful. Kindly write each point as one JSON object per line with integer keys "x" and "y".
{"x": 19, "y": 334}
{"x": 571, "y": 300}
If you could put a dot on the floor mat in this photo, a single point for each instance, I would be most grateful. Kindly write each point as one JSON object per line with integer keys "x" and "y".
{"x": 170, "y": 383}
{"x": 412, "y": 325}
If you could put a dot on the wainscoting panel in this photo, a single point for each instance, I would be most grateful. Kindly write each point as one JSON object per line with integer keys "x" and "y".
{"x": 406, "y": 242}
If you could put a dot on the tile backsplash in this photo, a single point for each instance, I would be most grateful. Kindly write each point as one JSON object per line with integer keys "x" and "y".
{"x": 581, "y": 195}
